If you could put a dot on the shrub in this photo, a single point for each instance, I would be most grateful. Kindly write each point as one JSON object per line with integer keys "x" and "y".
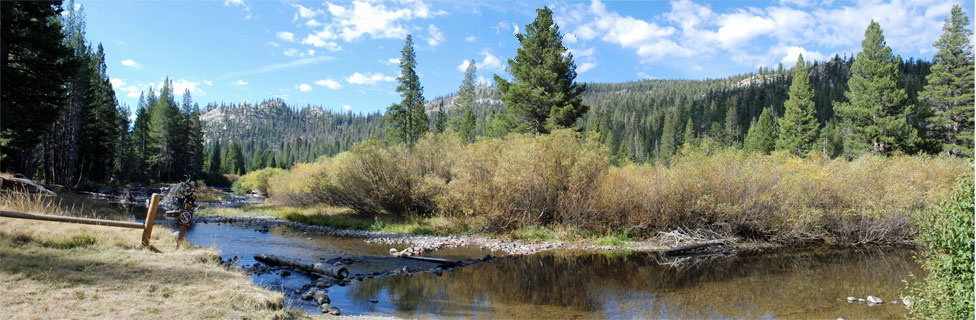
{"x": 258, "y": 180}
{"x": 526, "y": 181}
{"x": 947, "y": 235}
{"x": 561, "y": 179}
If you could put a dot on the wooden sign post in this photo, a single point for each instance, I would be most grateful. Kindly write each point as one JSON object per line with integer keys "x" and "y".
{"x": 150, "y": 219}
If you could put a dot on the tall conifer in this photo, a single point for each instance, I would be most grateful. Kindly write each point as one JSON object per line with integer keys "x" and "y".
{"x": 798, "y": 126}
{"x": 949, "y": 92}
{"x": 543, "y": 95}
{"x": 877, "y": 110}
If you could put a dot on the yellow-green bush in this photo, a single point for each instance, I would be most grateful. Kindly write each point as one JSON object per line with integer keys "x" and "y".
{"x": 524, "y": 181}
{"x": 258, "y": 180}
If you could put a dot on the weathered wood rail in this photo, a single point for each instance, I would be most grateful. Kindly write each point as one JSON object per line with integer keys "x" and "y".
{"x": 146, "y": 227}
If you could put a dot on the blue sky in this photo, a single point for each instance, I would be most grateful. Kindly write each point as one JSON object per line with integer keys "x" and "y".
{"x": 342, "y": 55}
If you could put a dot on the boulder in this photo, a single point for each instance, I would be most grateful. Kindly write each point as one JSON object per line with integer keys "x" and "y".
{"x": 874, "y": 300}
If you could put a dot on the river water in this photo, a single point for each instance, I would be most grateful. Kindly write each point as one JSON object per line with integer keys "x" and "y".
{"x": 577, "y": 285}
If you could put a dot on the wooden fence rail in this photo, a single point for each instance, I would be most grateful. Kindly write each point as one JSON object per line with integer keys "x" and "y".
{"x": 146, "y": 227}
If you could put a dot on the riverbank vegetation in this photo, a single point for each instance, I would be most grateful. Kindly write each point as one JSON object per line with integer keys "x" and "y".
{"x": 563, "y": 180}
{"x": 60, "y": 270}
{"x": 947, "y": 234}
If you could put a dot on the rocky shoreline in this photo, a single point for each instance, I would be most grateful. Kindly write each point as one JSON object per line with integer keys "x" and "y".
{"x": 421, "y": 244}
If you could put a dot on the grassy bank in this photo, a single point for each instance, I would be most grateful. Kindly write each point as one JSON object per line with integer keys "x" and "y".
{"x": 563, "y": 182}
{"x": 52, "y": 270}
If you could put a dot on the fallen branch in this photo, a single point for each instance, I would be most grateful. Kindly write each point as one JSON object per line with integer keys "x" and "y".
{"x": 335, "y": 272}
{"x": 694, "y": 246}
{"x": 430, "y": 259}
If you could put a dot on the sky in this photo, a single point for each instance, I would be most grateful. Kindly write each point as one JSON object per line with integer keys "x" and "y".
{"x": 344, "y": 55}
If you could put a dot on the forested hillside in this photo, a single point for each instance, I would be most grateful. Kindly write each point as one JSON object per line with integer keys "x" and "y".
{"x": 274, "y": 130}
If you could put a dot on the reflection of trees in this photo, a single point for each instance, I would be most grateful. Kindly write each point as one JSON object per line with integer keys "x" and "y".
{"x": 594, "y": 285}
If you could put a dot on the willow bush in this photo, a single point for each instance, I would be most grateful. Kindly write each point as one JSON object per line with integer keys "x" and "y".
{"x": 562, "y": 179}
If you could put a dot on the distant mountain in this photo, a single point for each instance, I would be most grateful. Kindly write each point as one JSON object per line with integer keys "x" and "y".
{"x": 292, "y": 134}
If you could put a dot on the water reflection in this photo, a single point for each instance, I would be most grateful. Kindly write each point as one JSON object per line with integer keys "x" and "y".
{"x": 565, "y": 285}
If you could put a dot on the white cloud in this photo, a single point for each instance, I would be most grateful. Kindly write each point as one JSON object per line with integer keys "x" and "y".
{"x": 436, "y": 37}
{"x": 116, "y": 82}
{"x": 307, "y": 13}
{"x": 317, "y": 40}
{"x": 285, "y": 36}
{"x": 351, "y": 21}
{"x": 391, "y": 61}
{"x": 469, "y": 39}
{"x": 490, "y": 63}
{"x": 464, "y": 65}
{"x": 757, "y": 35}
{"x": 234, "y": 3}
{"x": 585, "y": 66}
{"x": 650, "y": 40}
{"x": 182, "y": 85}
{"x": 368, "y": 78}
{"x": 793, "y": 52}
{"x": 239, "y": 83}
{"x": 131, "y": 64}
{"x": 277, "y": 66}
{"x": 569, "y": 38}
{"x": 304, "y": 87}
{"x": 347, "y": 107}
{"x": 515, "y": 28}
{"x": 329, "y": 83}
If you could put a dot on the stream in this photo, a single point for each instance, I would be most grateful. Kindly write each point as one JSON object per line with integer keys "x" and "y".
{"x": 568, "y": 284}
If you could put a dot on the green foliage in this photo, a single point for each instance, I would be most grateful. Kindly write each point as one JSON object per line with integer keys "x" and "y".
{"x": 670, "y": 137}
{"x": 543, "y": 95}
{"x": 689, "y": 133}
{"x": 798, "y": 126}
{"x": 407, "y": 120}
{"x": 464, "y": 103}
{"x": 878, "y": 108}
{"x": 762, "y": 135}
{"x": 34, "y": 66}
{"x": 235, "y": 159}
{"x": 949, "y": 92}
{"x": 946, "y": 233}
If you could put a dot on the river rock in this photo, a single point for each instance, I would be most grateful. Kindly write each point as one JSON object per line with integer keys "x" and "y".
{"x": 285, "y": 273}
{"x": 373, "y": 300}
{"x": 860, "y": 299}
{"x": 874, "y": 300}
{"x": 851, "y": 299}
{"x": 321, "y": 297}
{"x": 308, "y": 295}
{"x": 333, "y": 311}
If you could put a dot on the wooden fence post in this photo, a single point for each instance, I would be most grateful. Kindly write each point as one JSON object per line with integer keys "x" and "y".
{"x": 150, "y": 219}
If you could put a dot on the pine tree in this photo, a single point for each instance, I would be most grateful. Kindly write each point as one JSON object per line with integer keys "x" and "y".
{"x": 949, "y": 92}
{"x": 215, "y": 159}
{"x": 33, "y": 62}
{"x": 798, "y": 126}
{"x": 689, "y": 132}
{"x": 408, "y": 119}
{"x": 877, "y": 109}
{"x": 733, "y": 132}
{"x": 543, "y": 95}
{"x": 465, "y": 102}
{"x": 236, "y": 159}
{"x": 440, "y": 123}
{"x": 670, "y": 139}
{"x": 163, "y": 127}
{"x": 762, "y": 135}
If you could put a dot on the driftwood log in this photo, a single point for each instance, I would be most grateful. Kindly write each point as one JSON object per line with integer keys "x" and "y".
{"x": 694, "y": 246}
{"x": 323, "y": 269}
{"x": 434, "y": 260}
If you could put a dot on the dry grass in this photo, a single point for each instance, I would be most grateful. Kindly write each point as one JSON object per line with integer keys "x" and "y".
{"x": 59, "y": 270}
